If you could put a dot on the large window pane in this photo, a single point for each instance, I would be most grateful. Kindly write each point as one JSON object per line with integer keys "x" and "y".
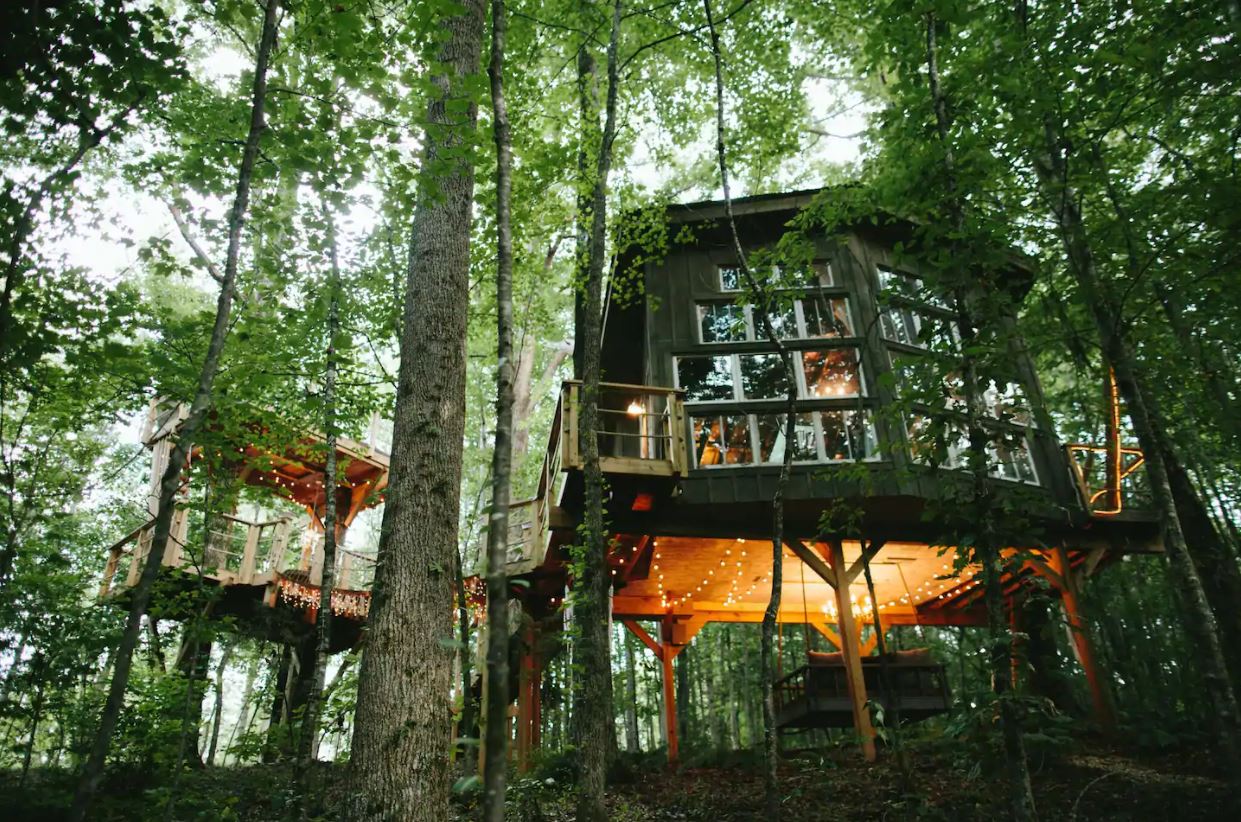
{"x": 832, "y": 373}
{"x": 721, "y": 322}
{"x": 783, "y": 322}
{"x": 738, "y": 450}
{"x": 763, "y": 377}
{"x": 721, "y": 440}
{"x": 849, "y": 435}
{"x": 771, "y": 438}
{"x": 705, "y": 378}
{"x": 900, "y": 324}
{"x": 827, "y": 317}
{"x": 1012, "y": 461}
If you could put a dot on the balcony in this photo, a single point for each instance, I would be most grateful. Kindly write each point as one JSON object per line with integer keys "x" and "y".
{"x": 641, "y": 433}
{"x": 244, "y": 553}
{"x": 641, "y": 429}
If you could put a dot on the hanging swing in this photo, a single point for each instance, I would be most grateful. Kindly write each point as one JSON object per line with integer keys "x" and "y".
{"x": 817, "y": 694}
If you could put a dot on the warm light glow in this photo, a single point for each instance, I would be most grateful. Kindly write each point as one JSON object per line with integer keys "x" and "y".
{"x": 635, "y": 409}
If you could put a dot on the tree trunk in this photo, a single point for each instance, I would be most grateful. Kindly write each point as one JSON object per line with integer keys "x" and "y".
{"x": 308, "y": 740}
{"x": 632, "y": 744}
{"x": 761, "y": 298}
{"x": 592, "y": 711}
{"x": 1199, "y": 622}
{"x": 983, "y": 510}
{"x": 226, "y": 655}
{"x": 495, "y": 762}
{"x": 399, "y": 766}
{"x": 170, "y": 482}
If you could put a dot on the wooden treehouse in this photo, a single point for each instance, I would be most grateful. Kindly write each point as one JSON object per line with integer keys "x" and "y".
{"x": 265, "y": 566}
{"x": 691, "y": 443}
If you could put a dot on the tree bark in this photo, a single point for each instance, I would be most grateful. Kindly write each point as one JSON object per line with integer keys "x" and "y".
{"x": 495, "y": 762}
{"x": 632, "y": 744}
{"x": 399, "y": 766}
{"x": 170, "y": 482}
{"x": 308, "y": 741}
{"x": 592, "y": 711}
{"x": 226, "y": 655}
{"x": 761, "y": 299}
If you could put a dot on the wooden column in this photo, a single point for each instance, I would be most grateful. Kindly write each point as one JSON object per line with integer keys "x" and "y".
{"x": 851, "y": 651}
{"x": 527, "y": 702}
{"x": 670, "y": 702}
{"x": 1079, "y": 631}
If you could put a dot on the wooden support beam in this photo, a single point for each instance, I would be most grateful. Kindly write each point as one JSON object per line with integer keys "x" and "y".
{"x": 851, "y": 653}
{"x": 807, "y": 555}
{"x": 684, "y": 630}
{"x": 830, "y": 635}
{"x": 1079, "y": 632}
{"x": 869, "y": 551}
{"x": 640, "y": 632}
{"x": 670, "y": 697}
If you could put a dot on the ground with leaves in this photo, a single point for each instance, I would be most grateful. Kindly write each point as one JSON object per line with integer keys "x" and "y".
{"x": 1095, "y": 782}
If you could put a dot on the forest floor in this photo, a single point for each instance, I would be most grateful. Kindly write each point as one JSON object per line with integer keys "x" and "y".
{"x": 1090, "y": 782}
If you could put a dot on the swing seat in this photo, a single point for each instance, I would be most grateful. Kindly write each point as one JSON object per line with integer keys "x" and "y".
{"x": 817, "y": 694}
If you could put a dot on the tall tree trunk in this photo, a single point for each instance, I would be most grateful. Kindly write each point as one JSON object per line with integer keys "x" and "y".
{"x": 308, "y": 741}
{"x": 1050, "y": 166}
{"x": 986, "y": 547}
{"x": 495, "y": 763}
{"x": 170, "y": 482}
{"x": 592, "y": 710}
{"x": 226, "y": 655}
{"x": 761, "y": 298}
{"x": 399, "y": 767}
{"x": 36, "y": 716}
{"x": 632, "y": 744}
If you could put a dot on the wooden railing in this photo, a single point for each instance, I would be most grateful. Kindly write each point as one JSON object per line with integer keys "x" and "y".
{"x": 237, "y": 552}
{"x": 641, "y": 429}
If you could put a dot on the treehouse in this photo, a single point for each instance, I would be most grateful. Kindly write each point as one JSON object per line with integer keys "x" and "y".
{"x": 691, "y": 444}
{"x": 264, "y": 566}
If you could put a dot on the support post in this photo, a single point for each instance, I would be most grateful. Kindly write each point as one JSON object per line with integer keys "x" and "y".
{"x": 851, "y": 652}
{"x": 666, "y": 655}
{"x": 245, "y": 575}
{"x": 1079, "y": 631}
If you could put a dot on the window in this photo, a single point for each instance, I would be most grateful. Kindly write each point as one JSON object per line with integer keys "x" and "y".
{"x": 763, "y": 377}
{"x": 826, "y": 317}
{"x": 849, "y": 435}
{"x": 905, "y": 286}
{"x": 1008, "y": 456}
{"x": 722, "y": 440}
{"x": 814, "y": 317}
{"x": 832, "y": 374}
{"x": 783, "y": 323}
{"x": 818, "y": 436}
{"x": 721, "y": 322}
{"x": 705, "y": 379}
{"x": 771, "y": 436}
{"x": 819, "y": 274}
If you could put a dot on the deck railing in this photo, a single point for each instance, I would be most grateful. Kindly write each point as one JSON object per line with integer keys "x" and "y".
{"x": 1108, "y": 479}
{"x": 641, "y": 429}
{"x": 238, "y": 551}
